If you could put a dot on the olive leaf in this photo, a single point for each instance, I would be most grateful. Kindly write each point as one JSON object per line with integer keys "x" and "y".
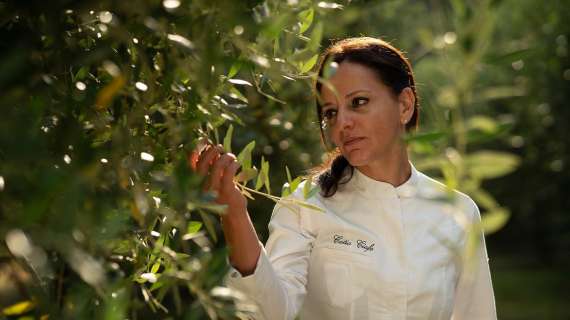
{"x": 228, "y": 139}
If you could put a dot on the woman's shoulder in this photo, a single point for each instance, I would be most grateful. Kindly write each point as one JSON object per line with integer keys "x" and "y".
{"x": 431, "y": 188}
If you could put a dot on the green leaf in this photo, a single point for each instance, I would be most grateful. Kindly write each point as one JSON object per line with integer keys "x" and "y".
{"x": 235, "y": 68}
{"x": 116, "y": 304}
{"x": 236, "y": 94}
{"x": 501, "y": 92}
{"x": 193, "y": 227}
{"x": 422, "y": 148}
{"x": 216, "y": 135}
{"x": 426, "y": 137}
{"x": 309, "y": 64}
{"x": 18, "y": 308}
{"x": 275, "y": 27}
{"x": 247, "y": 174}
{"x": 228, "y": 139}
{"x": 306, "y": 17}
{"x": 81, "y": 73}
{"x": 295, "y": 183}
{"x": 155, "y": 266}
{"x": 299, "y": 57}
{"x": 423, "y": 143}
{"x": 494, "y": 220}
{"x": 288, "y": 174}
{"x": 209, "y": 223}
{"x": 161, "y": 241}
{"x": 485, "y": 124}
{"x": 449, "y": 172}
{"x": 276, "y": 46}
{"x": 244, "y": 157}
{"x": 285, "y": 191}
{"x": 316, "y": 37}
{"x": 307, "y": 186}
{"x": 499, "y": 59}
{"x": 265, "y": 170}
{"x": 157, "y": 285}
{"x": 491, "y": 164}
{"x": 259, "y": 182}
{"x": 106, "y": 95}
{"x": 261, "y": 176}
{"x": 484, "y": 199}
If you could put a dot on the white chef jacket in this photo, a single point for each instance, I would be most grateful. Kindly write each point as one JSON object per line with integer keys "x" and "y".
{"x": 377, "y": 252}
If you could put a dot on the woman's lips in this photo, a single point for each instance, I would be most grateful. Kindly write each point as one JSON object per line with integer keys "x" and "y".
{"x": 351, "y": 142}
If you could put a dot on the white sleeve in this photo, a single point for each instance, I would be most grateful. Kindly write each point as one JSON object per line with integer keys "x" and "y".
{"x": 474, "y": 298}
{"x": 278, "y": 283}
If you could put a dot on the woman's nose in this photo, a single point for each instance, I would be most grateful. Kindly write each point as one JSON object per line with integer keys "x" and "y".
{"x": 344, "y": 119}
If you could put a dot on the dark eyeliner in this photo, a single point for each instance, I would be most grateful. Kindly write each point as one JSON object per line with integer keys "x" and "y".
{"x": 356, "y": 99}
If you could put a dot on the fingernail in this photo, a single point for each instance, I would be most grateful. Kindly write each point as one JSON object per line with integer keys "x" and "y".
{"x": 201, "y": 145}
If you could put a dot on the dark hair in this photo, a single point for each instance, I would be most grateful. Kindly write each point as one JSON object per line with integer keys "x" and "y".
{"x": 392, "y": 69}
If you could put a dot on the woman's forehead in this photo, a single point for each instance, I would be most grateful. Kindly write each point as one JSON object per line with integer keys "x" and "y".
{"x": 350, "y": 77}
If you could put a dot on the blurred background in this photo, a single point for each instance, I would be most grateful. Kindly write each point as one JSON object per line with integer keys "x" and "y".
{"x": 101, "y": 101}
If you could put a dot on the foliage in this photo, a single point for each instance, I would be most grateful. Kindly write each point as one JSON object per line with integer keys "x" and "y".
{"x": 102, "y": 103}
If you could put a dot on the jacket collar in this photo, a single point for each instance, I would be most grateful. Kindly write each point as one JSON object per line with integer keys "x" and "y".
{"x": 374, "y": 188}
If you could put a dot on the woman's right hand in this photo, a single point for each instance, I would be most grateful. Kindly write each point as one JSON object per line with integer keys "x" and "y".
{"x": 220, "y": 169}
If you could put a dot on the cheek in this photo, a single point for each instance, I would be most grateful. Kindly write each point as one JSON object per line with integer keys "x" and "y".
{"x": 388, "y": 120}
{"x": 334, "y": 136}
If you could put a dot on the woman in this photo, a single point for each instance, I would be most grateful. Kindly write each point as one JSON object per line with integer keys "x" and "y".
{"x": 387, "y": 245}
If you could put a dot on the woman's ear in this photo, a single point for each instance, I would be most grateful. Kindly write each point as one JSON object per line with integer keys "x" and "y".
{"x": 406, "y": 103}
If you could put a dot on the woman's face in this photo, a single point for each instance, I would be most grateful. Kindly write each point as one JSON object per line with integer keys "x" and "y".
{"x": 362, "y": 115}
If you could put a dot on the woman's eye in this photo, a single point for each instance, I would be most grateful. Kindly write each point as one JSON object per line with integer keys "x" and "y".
{"x": 359, "y": 101}
{"x": 329, "y": 114}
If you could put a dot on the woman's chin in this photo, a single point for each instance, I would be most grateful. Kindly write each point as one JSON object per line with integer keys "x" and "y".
{"x": 356, "y": 159}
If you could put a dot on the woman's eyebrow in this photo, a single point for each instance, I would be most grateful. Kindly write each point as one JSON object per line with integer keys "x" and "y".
{"x": 356, "y": 91}
{"x": 326, "y": 104}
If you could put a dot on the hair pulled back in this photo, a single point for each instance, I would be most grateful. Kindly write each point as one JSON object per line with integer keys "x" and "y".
{"x": 390, "y": 66}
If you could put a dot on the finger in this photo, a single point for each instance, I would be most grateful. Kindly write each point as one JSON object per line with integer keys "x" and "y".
{"x": 192, "y": 159}
{"x": 194, "y": 156}
{"x": 229, "y": 174}
{"x": 218, "y": 170}
{"x": 210, "y": 155}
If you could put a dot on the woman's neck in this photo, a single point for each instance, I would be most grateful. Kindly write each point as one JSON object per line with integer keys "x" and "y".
{"x": 394, "y": 169}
